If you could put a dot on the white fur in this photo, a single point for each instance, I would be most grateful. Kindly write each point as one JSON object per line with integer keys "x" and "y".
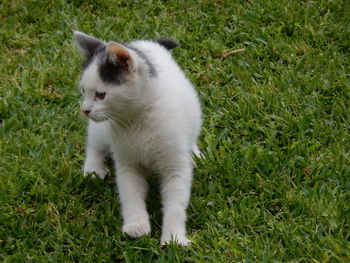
{"x": 153, "y": 124}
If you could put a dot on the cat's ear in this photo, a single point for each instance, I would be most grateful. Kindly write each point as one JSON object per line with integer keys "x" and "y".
{"x": 87, "y": 43}
{"x": 119, "y": 55}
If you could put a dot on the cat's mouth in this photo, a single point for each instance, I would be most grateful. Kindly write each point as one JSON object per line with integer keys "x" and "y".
{"x": 97, "y": 118}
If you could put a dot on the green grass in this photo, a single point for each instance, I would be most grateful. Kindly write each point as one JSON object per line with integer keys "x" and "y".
{"x": 276, "y": 181}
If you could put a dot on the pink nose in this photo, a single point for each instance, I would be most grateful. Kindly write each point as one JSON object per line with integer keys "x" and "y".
{"x": 86, "y": 112}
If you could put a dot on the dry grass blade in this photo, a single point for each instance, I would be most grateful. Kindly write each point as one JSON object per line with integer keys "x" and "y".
{"x": 229, "y": 52}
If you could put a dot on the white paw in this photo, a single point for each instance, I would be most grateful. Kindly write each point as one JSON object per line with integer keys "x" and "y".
{"x": 100, "y": 172}
{"x": 137, "y": 229}
{"x": 182, "y": 241}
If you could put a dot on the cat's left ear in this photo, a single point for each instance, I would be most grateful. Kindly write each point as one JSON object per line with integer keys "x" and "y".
{"x": 87, "y": 43}
{"x": 119, "y": 55}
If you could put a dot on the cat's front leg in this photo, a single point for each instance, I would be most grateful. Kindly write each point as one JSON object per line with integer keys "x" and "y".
{"x": 132, "y": 187}
{"x": 175, "y": 191}
{"x": 96, "y": 149}
{"x": 94, "y": 163}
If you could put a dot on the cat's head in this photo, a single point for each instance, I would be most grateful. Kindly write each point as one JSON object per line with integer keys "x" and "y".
{"x": 114, "y": 78}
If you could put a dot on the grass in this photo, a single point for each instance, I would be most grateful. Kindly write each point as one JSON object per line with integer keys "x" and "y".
{"x": 275, "y": 184}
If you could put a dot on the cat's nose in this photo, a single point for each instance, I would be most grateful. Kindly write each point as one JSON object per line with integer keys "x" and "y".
{"x": 86, "y": 112}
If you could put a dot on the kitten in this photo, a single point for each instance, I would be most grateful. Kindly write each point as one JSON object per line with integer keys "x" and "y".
{"x": 144, "y": 111}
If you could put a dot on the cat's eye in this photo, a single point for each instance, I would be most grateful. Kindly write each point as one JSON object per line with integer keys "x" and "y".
{"x": 82, "y": 90}
{"x": 100, "y": 95}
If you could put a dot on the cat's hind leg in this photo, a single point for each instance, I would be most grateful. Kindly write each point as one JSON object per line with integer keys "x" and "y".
{"x": 97, "y": 149}
{"x": 175, "y": 192}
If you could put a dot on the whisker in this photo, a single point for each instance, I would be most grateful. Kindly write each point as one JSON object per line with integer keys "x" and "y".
{"x": 123, "y": 122}
{"x": 116, "y": 127}
{"x": 119, "y": 125}
{"x": 120, "y": 118}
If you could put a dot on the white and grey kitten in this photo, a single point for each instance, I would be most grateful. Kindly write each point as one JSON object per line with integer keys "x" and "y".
{"x": 145, "y": 112}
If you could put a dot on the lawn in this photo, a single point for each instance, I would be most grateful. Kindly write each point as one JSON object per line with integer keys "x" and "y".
{"x": 275, "y": 183}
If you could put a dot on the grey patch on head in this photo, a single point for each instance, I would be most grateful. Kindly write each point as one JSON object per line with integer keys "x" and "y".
{"x": 151, "y": 69}
{"x": 90, "y": 45}
{"x": 96, "y": 53}
{"x": 109, "y": 71}
{"x": 168, "y": 43}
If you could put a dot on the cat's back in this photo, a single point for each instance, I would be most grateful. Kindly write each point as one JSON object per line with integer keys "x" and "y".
{"x": 159, "y": 58}
{"x": 177, "y": 101}
{"x": 151, "y": 50}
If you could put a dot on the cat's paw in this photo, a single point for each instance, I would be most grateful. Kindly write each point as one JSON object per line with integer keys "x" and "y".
{"x": 135, "y": 230}
{"x": 182, "y": 241}
{"x": 100, "y": 172}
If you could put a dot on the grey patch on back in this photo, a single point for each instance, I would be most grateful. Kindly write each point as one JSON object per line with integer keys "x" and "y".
{"x": 151, "y": 69}
{"x": 168, "y": 43}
